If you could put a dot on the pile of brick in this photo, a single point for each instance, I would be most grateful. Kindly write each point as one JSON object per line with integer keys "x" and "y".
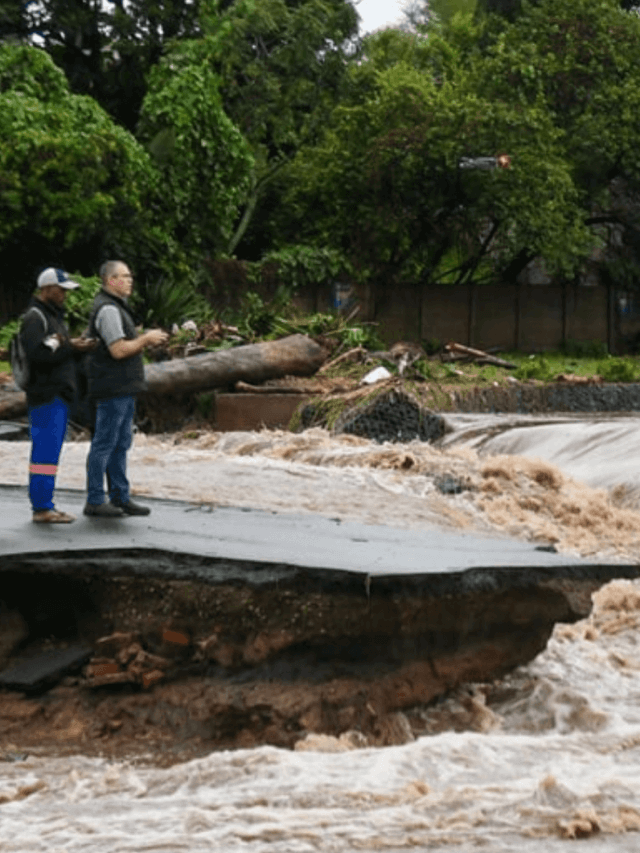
{"x": 121, "y": 659}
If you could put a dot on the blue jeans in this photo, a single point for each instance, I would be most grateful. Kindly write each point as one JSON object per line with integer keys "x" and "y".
{"x": 47, "y": 428}
{"x": 108, "y": 452}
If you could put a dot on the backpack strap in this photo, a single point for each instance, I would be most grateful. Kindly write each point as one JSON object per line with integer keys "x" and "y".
{"x": 38, "y": 311}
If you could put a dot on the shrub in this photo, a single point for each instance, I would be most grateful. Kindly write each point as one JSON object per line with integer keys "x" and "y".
{"x": 618, "y": 370}
{"x": 78, "y": 302}
{"x": 537, "y": 367}
{"x": 585, "y": 349}
{"x": 163, "y": 302}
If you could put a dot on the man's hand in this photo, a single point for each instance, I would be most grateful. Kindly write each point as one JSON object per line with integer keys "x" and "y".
{"x": 155, "y": 337}
{"x": 84, "y": 344}
{"x": 124, "y": 348}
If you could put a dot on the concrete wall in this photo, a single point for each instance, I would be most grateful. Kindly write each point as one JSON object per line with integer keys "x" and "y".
{"x": 540, "y": 317}
{"x": 533, "y": 318}
{"x": 587, "y": 314}
{"x": 493, "y": 317}
{"x": 445, "y": 314}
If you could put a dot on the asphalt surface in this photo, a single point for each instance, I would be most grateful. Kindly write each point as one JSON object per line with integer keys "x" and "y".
{"x": 233, "y": 534}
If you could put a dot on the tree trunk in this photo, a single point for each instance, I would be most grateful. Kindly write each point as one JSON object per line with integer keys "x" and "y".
{"x": 13, "y": 404}
{"x": 296, "y": 355}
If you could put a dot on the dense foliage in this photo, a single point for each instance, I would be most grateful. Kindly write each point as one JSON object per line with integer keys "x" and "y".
{"x": 281, "y": 68}
{"x": 203, "y": 160}
{"x": 72, "y": 182}
{"x": 104, "y": 49}
{"x": 556, "y": 89}
{"x": 175, "y": 132}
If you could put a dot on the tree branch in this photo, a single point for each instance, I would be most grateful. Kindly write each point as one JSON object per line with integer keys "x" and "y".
{"x": 472, "y": 264}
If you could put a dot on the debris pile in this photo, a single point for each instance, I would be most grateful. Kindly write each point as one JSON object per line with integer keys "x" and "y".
{"x": 458, "y": 352}
{"x": 393, "y": 415}
{"x": 121, "y": 659}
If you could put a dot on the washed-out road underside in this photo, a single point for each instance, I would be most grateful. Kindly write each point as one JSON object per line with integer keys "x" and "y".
{"x": 139, "y": 651}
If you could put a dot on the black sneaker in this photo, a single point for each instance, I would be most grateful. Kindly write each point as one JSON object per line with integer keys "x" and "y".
{"x": 131, "y": 508}
{"x": 103, "y": 510}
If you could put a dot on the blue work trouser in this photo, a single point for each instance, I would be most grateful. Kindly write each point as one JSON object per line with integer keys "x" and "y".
{"x": 47, "y": 428}
{"x": 108, "y": 453}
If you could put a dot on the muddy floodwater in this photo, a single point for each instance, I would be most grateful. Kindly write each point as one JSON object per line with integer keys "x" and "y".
{"x": 546, "y": 757}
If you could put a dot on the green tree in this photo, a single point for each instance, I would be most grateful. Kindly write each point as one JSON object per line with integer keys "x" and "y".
{"x": 557, "y": 89}
{"x": 387, "y": 186}
{"x": 104, "y": 48}
{"x": 72, "y": 183}
{"x": 272, "y": 67}
{"x": 12, "y": 22}
{"x": 506, "y": 8}
{"x": 430, "y": 13}
{"x": 512, "y": 8}
{"x": 204, "y": 161}
{"x": 282, "y": 66}
{"x": 577, "y": 60}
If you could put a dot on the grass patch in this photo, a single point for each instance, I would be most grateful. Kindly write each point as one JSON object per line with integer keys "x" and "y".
{"x": 548, "y": 366}
{"x": 540, "y": 368}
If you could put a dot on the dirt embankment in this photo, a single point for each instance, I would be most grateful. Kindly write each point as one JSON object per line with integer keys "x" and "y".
{"x": 178, "y": 668}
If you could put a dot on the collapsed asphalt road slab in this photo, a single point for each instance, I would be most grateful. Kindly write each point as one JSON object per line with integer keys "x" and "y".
{"x": 39, "y": 669}
{"x": 226, "y": 627}
{"x": 229, "y": 534}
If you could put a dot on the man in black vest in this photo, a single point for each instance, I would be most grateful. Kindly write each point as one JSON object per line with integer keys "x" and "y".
{"x": 115, "y": 376}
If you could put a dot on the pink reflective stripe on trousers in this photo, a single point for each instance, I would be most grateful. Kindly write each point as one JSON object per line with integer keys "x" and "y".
{"x": 47, "y": 470}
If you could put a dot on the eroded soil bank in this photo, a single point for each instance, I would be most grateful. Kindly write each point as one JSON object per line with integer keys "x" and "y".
{"x": 255, "y": 654}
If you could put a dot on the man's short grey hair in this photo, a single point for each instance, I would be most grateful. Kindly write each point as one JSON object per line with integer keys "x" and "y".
{"x": 108, "y": 269}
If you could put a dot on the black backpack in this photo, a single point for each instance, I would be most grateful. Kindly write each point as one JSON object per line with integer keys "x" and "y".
{"x": 17, "y": 354}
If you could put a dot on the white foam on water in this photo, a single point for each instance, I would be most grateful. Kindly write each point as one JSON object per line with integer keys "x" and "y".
{"x": 495, "y": 791}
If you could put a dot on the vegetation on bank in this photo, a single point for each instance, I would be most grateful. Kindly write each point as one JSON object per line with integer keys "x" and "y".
{"x": 175, "y": 135}
{"x": 193, "y": 323}
{"x": 195, "y": 328}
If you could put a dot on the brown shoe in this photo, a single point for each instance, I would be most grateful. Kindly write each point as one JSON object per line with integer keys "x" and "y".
{"x": 52, "y": 516}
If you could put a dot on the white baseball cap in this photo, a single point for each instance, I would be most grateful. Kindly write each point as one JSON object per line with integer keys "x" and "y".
{"x": 54, "y": 276}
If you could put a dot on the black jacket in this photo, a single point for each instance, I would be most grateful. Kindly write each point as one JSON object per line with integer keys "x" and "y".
{"x": 109, "y": 376}
{"x": 51, "y": 373}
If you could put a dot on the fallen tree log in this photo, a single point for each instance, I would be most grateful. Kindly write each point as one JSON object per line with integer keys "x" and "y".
{"x": 477, "y": 355}
{"x": 13, "y": 404}
{"x": 248, "y": 388}
{"x": 296, "y": 355}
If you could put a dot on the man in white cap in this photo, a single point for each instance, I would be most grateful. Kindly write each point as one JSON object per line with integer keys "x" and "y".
{"x": 51, "y": 388}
